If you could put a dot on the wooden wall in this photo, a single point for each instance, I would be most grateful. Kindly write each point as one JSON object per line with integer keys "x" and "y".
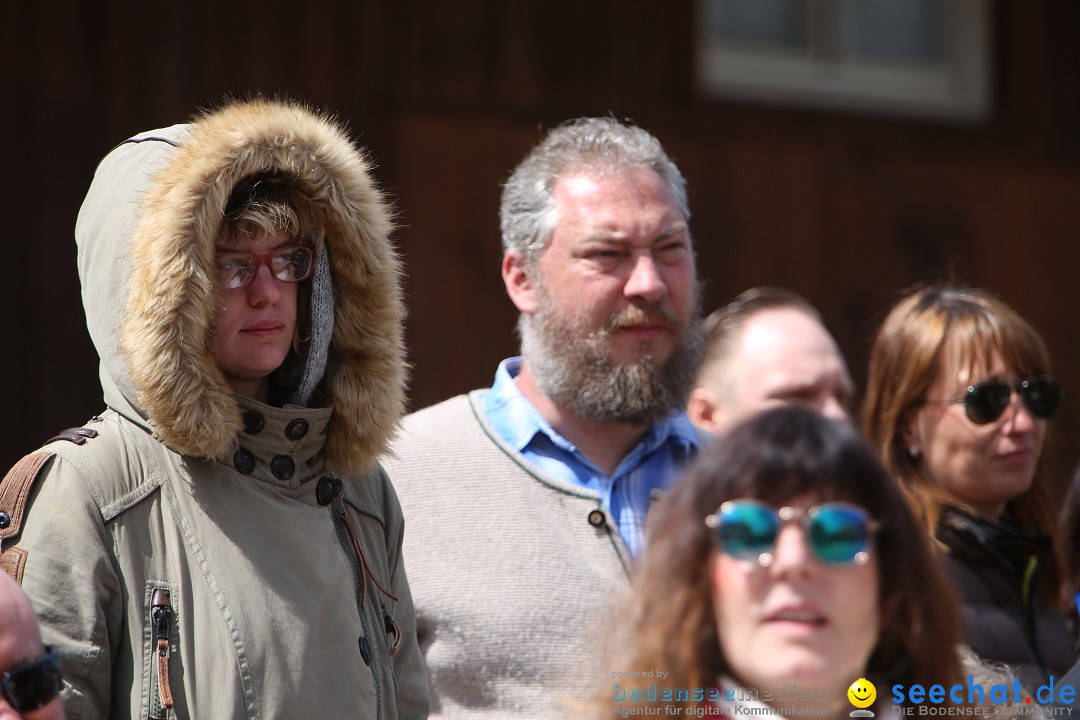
{"x": 845, "y": 208}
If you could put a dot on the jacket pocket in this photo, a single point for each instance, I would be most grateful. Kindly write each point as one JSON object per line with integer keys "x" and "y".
{"x": 158, "y": 657}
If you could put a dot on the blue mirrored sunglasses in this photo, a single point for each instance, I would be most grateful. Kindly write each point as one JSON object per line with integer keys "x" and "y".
{"x": 838, "y": 533}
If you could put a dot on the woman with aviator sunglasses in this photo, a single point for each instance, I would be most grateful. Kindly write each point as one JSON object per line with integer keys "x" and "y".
{"x": 958, "y": 398}
{"x": 785, "y": 557}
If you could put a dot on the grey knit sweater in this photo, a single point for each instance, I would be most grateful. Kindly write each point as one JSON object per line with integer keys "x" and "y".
{"x": 513, "y": 585}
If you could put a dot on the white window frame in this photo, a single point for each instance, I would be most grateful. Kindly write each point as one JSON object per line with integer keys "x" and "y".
{"x": 958, "y": 89}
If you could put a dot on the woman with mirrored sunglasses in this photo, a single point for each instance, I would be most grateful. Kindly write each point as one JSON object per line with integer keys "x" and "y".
{"x": 30, "y": 676}
{"x": 958, "y": 399}
{"x": 785, "y": 557}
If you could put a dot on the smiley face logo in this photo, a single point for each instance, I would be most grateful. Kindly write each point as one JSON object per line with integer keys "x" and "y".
{"x": 862, "y": 693}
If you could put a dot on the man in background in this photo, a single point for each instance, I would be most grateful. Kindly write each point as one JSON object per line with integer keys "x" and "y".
{"x": 768, "y": 347}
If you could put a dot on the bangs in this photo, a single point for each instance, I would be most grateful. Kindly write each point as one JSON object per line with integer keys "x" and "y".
{"x": 271, "y": 203}
{"x": 841, "y": 473}
{"x": 973, "y": 338}
{"x": 783, "y": 454}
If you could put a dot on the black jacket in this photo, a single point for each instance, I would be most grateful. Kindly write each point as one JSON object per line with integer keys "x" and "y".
{"x": 995, "y": 568}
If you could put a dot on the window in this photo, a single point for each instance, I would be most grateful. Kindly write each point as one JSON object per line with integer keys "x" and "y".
{"x": 914, "y": 57}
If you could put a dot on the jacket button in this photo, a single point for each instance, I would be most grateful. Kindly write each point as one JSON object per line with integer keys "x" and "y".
{"x": 254, "y": 422}
{"x": 365, "y": 650}
{"x": 283, "y": 467}
{"x": 325, "y": 491}
{"x": 243, "y": 461}
{"x": 296, "y": 429}
{"x": 596, "y": 518}
{"x": 5, "y": 520}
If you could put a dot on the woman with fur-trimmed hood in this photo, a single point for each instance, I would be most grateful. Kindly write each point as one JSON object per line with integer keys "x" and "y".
{"x": 220, "y": 542}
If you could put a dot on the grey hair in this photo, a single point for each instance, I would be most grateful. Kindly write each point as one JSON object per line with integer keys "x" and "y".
{"x": 527, "y": 214}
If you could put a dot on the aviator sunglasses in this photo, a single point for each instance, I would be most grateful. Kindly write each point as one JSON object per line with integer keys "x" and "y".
{"x": 985, "y": 402}
{"x": 32, "y": 684}
{"x": 290, "y": 264}
{"x": 838, "y": 533}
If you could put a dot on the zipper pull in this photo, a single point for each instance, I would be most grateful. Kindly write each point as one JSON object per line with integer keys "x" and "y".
{"x": 392, "y": 630}
{"x": 161, "y": 613}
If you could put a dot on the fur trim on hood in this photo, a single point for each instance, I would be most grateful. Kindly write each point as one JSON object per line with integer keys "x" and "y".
{"x": 170, "y": 302}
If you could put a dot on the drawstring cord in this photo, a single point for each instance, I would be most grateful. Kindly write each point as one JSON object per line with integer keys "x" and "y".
{"x": 389, "y": 623}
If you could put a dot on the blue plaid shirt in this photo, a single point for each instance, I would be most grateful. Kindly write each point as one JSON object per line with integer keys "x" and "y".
{"x": 625, "y": 494}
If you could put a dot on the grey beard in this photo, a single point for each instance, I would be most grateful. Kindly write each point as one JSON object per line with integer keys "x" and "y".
{"x": 574, "y": 371}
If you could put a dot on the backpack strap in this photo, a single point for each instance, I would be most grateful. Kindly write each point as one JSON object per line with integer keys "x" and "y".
{"x": 14, "y": 491}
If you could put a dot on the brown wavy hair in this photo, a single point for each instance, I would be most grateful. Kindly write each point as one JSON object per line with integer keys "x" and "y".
{"x": 775, "y": 457}
{"x": 928, "y": 324}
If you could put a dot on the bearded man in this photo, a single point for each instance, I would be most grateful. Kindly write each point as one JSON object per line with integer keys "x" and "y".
{"x": 526, "y": 501}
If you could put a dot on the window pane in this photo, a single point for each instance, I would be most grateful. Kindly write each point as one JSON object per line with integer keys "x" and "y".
{"x": 903, "y": 30}
{"x": 766, "y": 22}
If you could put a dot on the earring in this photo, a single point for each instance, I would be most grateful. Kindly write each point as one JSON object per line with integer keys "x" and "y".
{"x": 913, "y": 452}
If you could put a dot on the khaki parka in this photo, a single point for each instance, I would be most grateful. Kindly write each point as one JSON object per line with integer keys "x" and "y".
{"x": 205, "y": 555}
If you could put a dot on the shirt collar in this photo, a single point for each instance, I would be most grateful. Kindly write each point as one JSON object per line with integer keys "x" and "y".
{"x": 517, "y": 420}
